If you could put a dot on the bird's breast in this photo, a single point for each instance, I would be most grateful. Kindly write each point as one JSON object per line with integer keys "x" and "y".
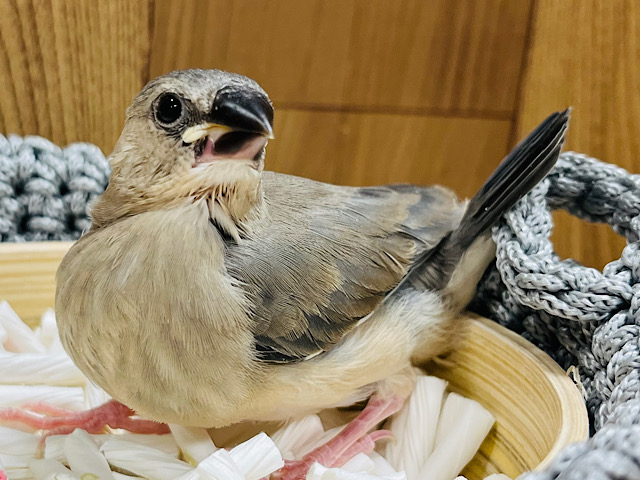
{"x": 147, "y": 312}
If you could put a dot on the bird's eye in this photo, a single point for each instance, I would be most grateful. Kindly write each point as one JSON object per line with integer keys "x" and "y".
{"x": 168, "y": 108}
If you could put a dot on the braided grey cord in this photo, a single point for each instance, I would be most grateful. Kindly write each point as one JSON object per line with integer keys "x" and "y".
{"x": 45, "y": 190}
{"x": 580, "y": 316}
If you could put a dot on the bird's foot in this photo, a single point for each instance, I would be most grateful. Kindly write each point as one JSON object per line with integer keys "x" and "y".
{"x": 56, "y": 421}
{"x": 352, "y": 440}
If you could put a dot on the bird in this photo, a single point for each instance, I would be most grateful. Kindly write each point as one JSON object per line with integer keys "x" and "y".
{"x": 209, "y": 291}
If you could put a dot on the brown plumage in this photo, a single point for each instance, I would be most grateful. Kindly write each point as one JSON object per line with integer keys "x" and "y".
{"x": 208, "y": 292}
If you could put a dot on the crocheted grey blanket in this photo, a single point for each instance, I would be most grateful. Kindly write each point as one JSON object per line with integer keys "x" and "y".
{"x": 582, "y": 317}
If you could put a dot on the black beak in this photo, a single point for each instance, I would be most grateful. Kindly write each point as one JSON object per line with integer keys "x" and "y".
{"x": 243, "y": 110}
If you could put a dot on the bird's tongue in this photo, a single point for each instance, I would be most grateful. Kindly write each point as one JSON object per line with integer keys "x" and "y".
{"x": 231, "y": 145}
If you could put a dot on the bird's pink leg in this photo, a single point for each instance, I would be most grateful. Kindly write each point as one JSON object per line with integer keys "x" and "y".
{"x": 59, "y": 421}
{"x": 46, "y": 409}
{"x": 365, "y": 445}
{"x": 353, "y": 439}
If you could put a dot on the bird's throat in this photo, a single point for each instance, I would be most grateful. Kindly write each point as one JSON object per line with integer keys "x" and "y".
{"x": 232, "y": 202}
{"x": 231, "y": 188}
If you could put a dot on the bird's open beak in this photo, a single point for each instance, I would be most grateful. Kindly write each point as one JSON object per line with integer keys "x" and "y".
{"x": 239, "y": 127}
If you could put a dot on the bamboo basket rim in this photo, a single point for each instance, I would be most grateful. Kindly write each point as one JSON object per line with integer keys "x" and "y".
{"x": 574, "y": 412}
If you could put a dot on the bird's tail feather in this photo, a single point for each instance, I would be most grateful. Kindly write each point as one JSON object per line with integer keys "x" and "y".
{"x": 459, "y": 260}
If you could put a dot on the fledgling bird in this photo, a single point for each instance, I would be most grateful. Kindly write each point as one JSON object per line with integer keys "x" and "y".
{"x": 210, "y": 292}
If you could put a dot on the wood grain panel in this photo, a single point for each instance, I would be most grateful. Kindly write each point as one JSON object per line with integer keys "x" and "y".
{"x": 370, "y": 149}
{"x": 68, "y": 70}
{"x": 593, "y": 64}
{"x": 296, "y": 50}
{"x": 310, "y": 144}
{"x": 444, "y": 55}
{"x": 447, "y": 55}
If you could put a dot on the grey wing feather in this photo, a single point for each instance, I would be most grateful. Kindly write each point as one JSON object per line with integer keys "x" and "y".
{"x": 322, "y": 257}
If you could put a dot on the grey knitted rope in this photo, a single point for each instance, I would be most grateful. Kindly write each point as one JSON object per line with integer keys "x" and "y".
{"x": 45, "y": 190}
{"x": 582, "y": 317}
{"x": 587, "y": 320}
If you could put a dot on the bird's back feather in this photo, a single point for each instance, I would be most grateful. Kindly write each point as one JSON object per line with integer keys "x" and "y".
{"x": 336, "y": 253}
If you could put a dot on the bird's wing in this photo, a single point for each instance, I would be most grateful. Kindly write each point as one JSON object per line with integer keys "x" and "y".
{"x": 322, "y": 257}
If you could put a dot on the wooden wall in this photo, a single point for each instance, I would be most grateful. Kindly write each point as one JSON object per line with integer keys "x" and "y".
{"x": 366, "y": 91}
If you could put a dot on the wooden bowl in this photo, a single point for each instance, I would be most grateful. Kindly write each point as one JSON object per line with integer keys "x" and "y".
{"x": 538, "y": 409}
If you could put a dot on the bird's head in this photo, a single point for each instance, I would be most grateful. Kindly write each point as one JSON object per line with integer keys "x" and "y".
{"x": 190, "y": 136}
